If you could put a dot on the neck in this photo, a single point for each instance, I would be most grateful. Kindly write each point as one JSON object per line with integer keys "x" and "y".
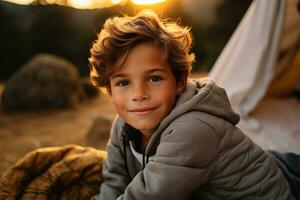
{"x": 142, "y": 142}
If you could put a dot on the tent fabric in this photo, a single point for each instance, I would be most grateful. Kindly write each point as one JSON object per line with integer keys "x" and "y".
{"x": 287, "y": 73}
{"x": 289, "y": 79}
{"x": 252, "y": 52}
{"x": 262, "y": 61}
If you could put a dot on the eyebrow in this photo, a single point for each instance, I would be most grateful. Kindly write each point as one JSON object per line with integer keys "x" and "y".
{"x": 118, "y": 75}
{"x": 123, "y": 75}
{"x": 155, "y": 70}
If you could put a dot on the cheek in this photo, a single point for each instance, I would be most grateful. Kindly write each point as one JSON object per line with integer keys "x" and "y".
{"x": 119, "y": 101}
{"x": 167, "y": 97}
{"x": 171, "y": 100}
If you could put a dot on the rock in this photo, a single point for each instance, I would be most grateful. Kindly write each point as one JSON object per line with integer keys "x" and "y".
{"x": 98, "y": 134}
{"x": 5, "y": 133}
{"x": 45, "y": 82}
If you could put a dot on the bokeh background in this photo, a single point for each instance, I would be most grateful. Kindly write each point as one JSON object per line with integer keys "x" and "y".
{"x": 47, "y": 99}
{"x": 62, "y": 31}
{"x": 67, "y": 28}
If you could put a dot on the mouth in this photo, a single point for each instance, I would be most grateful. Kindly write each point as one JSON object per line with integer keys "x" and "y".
{"x": 142, "y": 111}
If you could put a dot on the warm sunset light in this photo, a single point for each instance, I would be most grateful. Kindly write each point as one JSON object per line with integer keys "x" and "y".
{"x": 22, "y": 2}
{"x": 146, "y": 2}
{"x": 88, "y": 4}
{"x": 81, "y": 3}
{"x": 116, "y": 1}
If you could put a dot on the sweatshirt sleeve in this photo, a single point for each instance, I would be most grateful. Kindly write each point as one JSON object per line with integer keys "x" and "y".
{"x": 114, "y": 172}
{"x": 181, "y": 165}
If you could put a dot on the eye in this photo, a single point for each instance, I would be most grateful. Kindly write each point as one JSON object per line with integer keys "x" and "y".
{"x": 155, "y": 78}
{"x": 121, "y": 83}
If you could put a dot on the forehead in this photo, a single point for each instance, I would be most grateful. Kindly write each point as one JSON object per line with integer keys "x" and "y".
{"x": 143, "y": 57}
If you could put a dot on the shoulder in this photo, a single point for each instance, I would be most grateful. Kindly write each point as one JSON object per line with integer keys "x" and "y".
{"x": 195, "y": 123}
{"x": 191, "y": 136}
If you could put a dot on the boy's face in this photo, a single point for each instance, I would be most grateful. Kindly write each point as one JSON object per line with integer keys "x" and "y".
{"x": 144, "y": 89}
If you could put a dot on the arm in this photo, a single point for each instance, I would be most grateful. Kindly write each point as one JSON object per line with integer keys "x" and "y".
{"x": 181, "y": 165}
{"x": 114, "y": 173}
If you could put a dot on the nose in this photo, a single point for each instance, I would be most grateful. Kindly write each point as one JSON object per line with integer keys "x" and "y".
{"x": 140, "y": 93}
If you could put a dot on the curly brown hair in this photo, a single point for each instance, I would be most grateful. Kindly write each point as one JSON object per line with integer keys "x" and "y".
{"x": 120, "y": 34}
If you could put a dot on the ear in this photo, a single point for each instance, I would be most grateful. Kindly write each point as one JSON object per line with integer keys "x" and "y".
{"x": 181, "y": 85}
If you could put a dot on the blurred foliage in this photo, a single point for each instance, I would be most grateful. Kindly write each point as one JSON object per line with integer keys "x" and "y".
{"x": 69, "y": 33}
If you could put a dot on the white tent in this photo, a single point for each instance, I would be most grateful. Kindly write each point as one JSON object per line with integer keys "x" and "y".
{"x": 263, "y": 49}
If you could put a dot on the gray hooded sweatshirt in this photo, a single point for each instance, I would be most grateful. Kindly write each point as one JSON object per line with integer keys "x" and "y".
{"x": 198, "y": 153}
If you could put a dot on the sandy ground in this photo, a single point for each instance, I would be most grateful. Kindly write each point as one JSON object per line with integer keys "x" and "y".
{"x": 22, "y": 133}
{"x": 274, "y": 124}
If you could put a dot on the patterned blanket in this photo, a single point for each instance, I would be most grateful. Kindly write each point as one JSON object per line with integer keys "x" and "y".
{"x": 60, "y": 173}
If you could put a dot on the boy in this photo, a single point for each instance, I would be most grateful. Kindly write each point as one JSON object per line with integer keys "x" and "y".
{"x": 173, "y": 138}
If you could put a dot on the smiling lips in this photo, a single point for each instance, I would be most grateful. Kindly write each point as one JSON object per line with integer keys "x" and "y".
{"x": 142, "y": 111}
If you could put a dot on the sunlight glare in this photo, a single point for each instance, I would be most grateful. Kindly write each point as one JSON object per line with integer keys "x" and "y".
{"x": 22, "y": 2}
{"x": 116, "y": 1}
{"x": 146, "y": 2}
{"x": 81, "y": 3}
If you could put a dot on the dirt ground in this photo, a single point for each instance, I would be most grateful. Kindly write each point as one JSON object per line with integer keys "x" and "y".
{"x": 22, "y": 133}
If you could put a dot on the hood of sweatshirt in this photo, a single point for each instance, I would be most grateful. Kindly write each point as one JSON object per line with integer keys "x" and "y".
{"x": 205, "y": 96}
{"x": 201, "y": 95}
